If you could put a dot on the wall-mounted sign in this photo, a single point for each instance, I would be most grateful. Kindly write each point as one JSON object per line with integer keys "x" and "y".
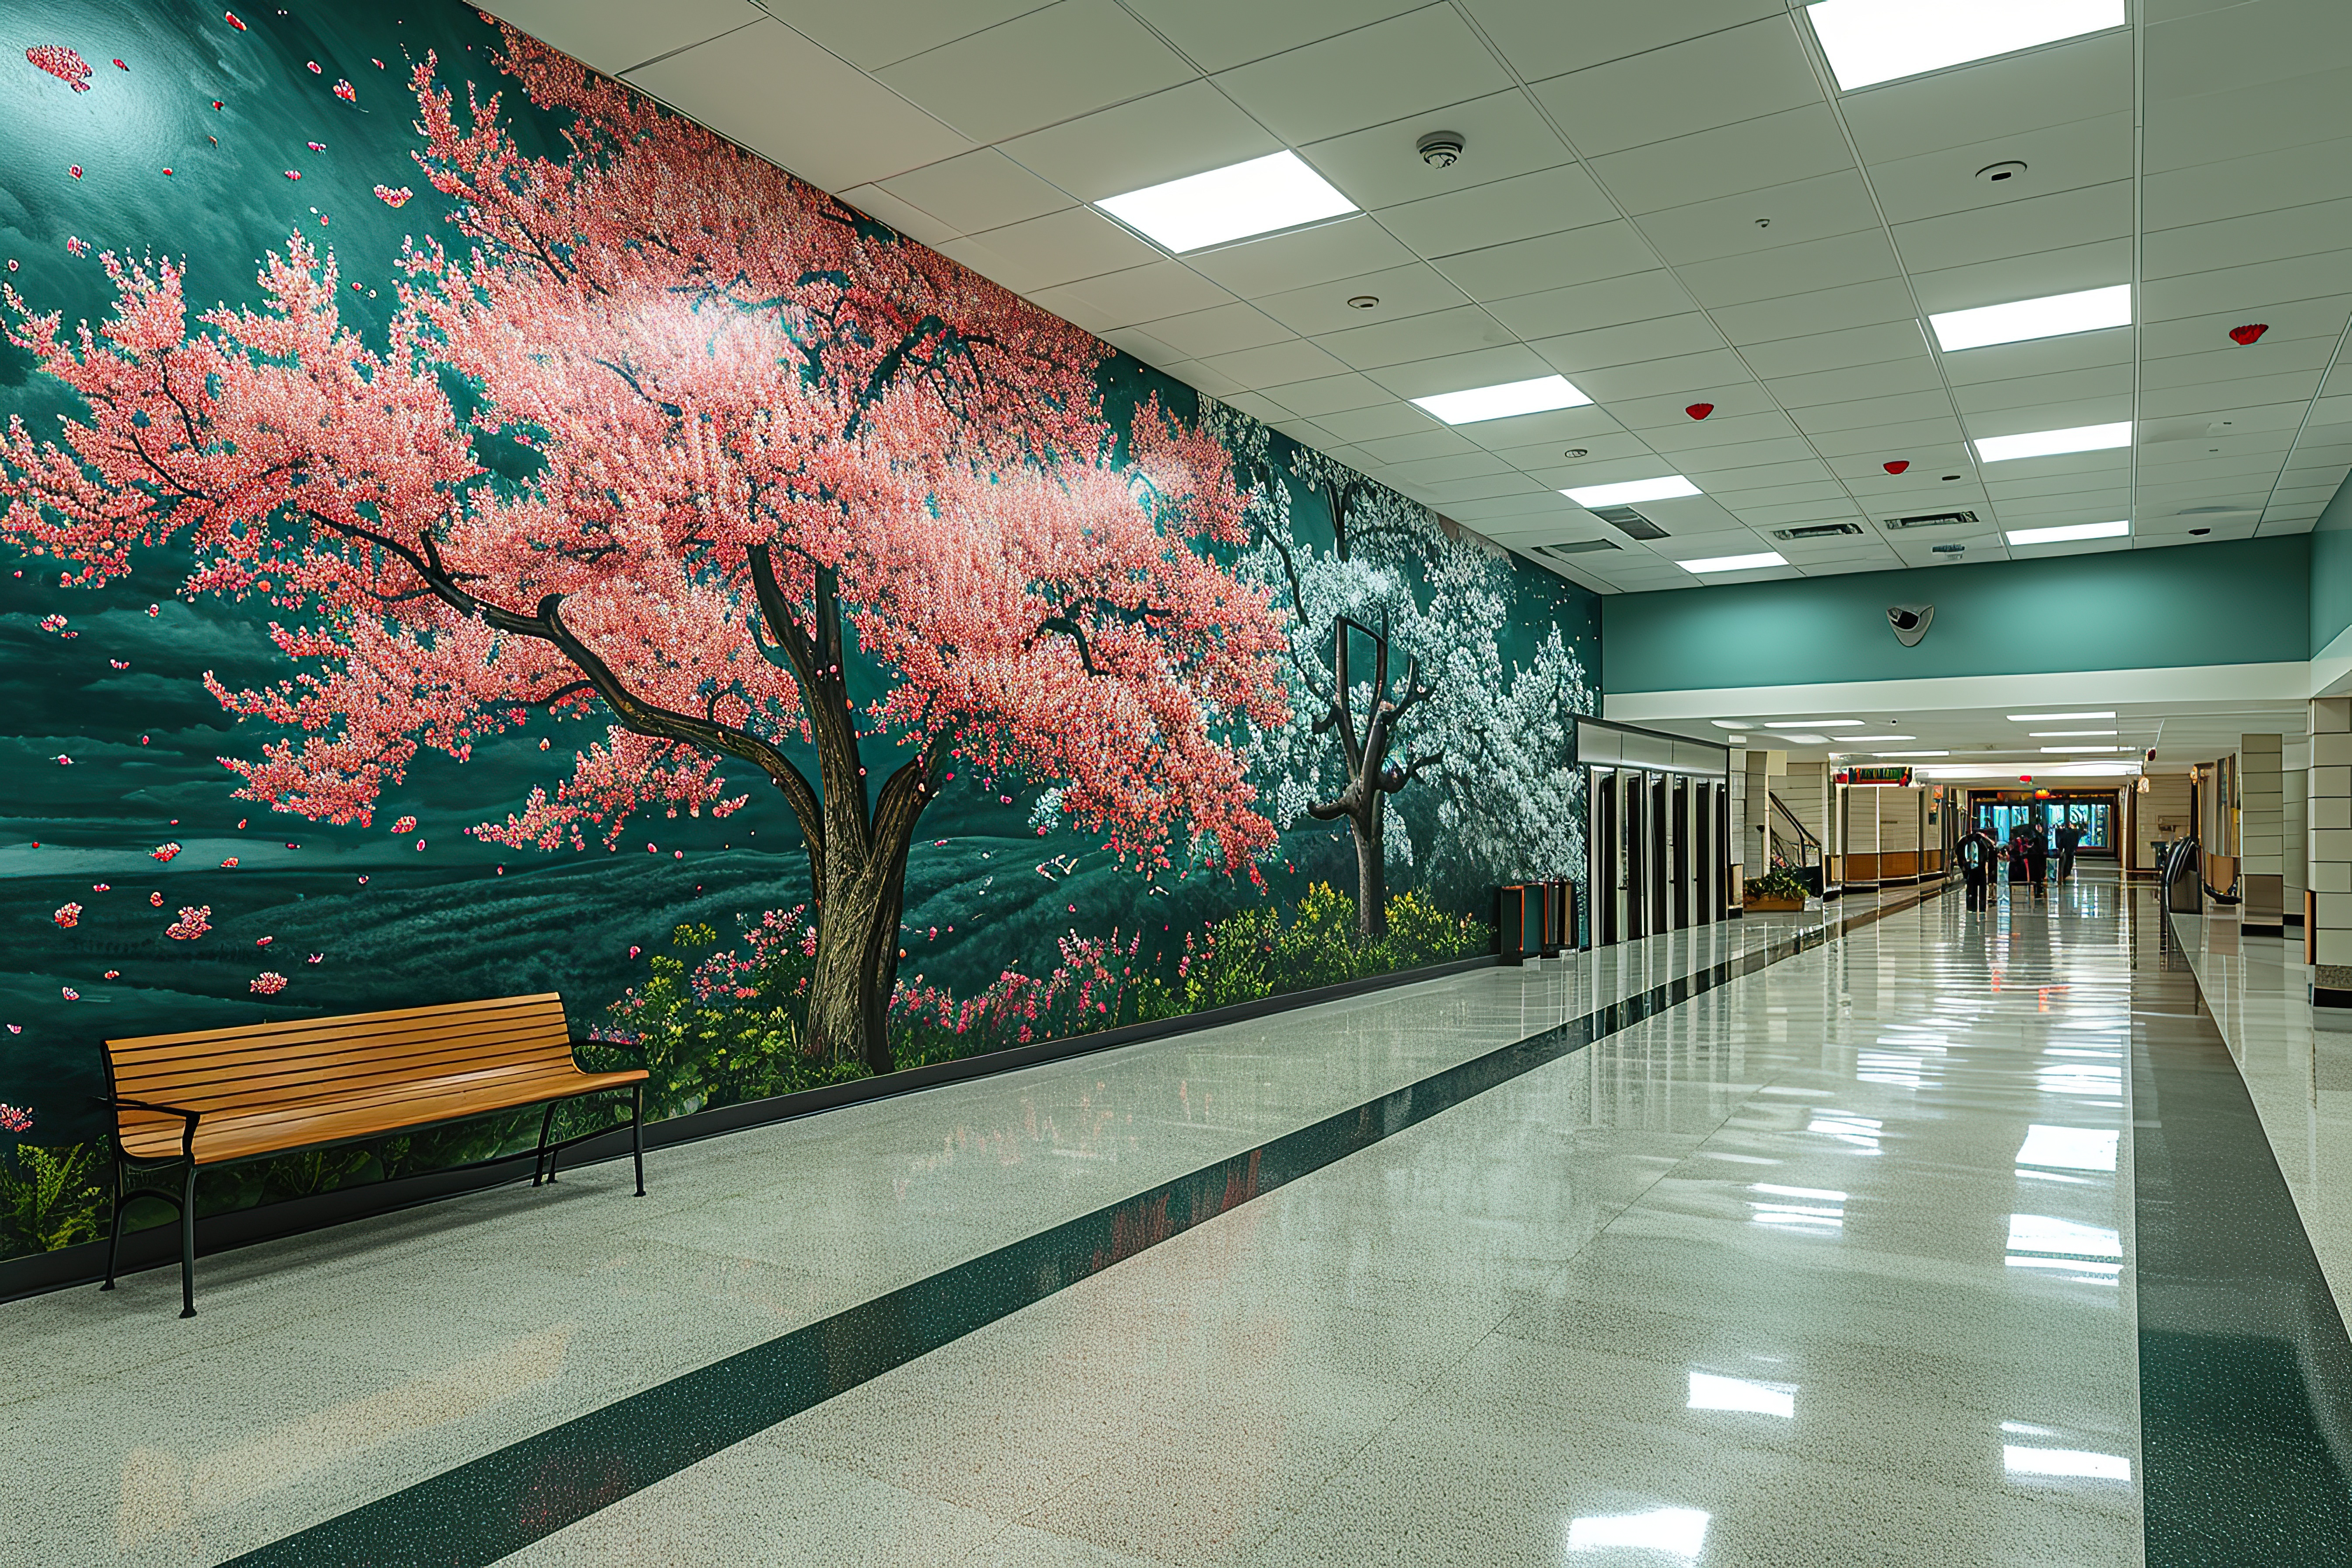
{"x": 1885, "y": 778}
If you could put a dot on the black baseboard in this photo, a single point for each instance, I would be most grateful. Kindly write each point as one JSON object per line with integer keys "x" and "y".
{"x": 156, "y": 1246}
{"x": 2247, "y": 928}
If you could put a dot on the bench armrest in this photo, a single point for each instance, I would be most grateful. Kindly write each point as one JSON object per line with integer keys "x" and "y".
{"x": 187, "y": 1133}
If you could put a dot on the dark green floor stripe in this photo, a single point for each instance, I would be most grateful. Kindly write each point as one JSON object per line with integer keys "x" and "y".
{"x": 501, "y": 1502}
{"x": 2245, "y": 1374}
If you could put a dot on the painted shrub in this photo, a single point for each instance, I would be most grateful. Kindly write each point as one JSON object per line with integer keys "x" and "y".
{"x": 575, "y": 496}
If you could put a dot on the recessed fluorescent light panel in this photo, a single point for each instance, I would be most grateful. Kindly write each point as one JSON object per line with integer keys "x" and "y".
{"x": 2052, "y": 718}
{"x": 1668, "y": 488}
{"x": 1734, "y": 562}
{"x": 2020, "y": 321}
{"x": 1871, "y": 41}
{"x": 2066, "y": 735}
{"x": 2054, "y": 443}
{"x": 2072, "y": 530}
{"x": 1501, "y": 402}
{"x": 1733, "y": 724}
{"x": 1910, "y": 754}
{"x": 2052, "y": 748}
{"x": 1814, "y": 724}
{"x": 1805, "y": 740}
{"x": 1861, "y": 738}
{"x": 1261, "y": 196}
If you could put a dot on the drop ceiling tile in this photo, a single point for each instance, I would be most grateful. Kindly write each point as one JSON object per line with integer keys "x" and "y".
{"x": 1470, "y": 464}
{"x": 1258, "y": 406}
{"x": 1192, "y": 372}
{"x": 1401, "y": 291}
{"x": 1053, "y": 64}
{"x": 1187, "y": 130}
{"x": 1879, "y": 442}
{"x": 1639, "y": 299}
{"x": 1219, "y": 34}
{"x": 2230, "y": 363}
{"x": 1836, "y": 349}
{"x": 2043, "y": 356}
{"x": 2026, "y": 277}
{"x": 1573, "y": 354}
{"x": 1589, "y": 427}
{"x": 2251, "y": 288}
{"x": 1219, "y": 329}
{"x": 2245, "y": 45}
{"x": 1726, "y": 429}
{"x": 1888, "y": 379}
{"x": 1498, "y": 212}
{"x": 1865, "y": 413}
{"x": 1463, "y": 329}
{"x": 1456, "y": 373}
{"x": 1699, "y": 377}
{"x": 878, "y": 32}
{"x": 2236, "y": 187}
{"x": 1419, "y": 446}
{"x": 1066, "y": 245}
{"x": 979, "y": 190}
{"x": 2112, "y": 504}
{"x": 2100, "y": 387}
{"x": 905, "y": 217}
{"x": 2288, "y": 322}
{"x": 1542, "y": 38}
{"x": 730, "y": 85}
{"x": 1381, "y": 421}
{"x": 1377, "y": 167}
{"x": 1137, "y": 344}
{"x": 1830, "y": 506}
{"x": 1296, "y": 360}
{"x": 1769, "y": 219}
{"x": 1715, "y": 79}
{"x": 2076, "y": 80}
{"x": 1554, "y": 260}
{"x": 1743, "y": 464}
{"x": 616, "y": 38}
{"x": 1422, "y": 60}
{"x": 2293, "y": 231}
{"x": 2241, "y": 121}
{"x": 2075, "y": 470}
{"x": 1823, "y": 311}
{"x": 2170, "y": 402}
{"x": 1329, "y": 394}
{"x": 1453, "y": 492}
{"x": 1818, "y": 264}
{"x": 1302, "y": 259}
{"x": 1794, "y": 144}
{"x": 2057, "y": 158}
{"x": 1549, "y": 454}
{"x": 1538, "y": 509}
{"x": 2020, "y": 227}
{"x": 1140, "y": 293}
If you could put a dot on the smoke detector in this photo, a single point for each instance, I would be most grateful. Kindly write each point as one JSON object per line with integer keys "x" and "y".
{"x": 1998, "y": 173}
{"x": 1440, "y": 148}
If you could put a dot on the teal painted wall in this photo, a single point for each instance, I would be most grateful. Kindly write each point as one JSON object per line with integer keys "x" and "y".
{"x": 2331, "y": 570}
{"x": 2244, "y": 602}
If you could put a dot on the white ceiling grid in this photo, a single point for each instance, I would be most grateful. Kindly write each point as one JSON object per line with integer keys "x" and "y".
{"x": 1604, "y": 224}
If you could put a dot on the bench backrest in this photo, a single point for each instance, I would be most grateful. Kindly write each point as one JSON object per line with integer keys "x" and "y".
{"x": 262, "y": 1066}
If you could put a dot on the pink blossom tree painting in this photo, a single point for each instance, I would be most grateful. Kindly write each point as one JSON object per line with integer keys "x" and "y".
{"x": 665, "y": 440}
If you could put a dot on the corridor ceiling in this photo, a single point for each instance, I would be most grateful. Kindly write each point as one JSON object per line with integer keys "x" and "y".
{"x": 1670, "y": 204}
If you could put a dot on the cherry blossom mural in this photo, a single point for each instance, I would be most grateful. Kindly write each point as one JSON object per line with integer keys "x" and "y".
{"x": 574, "y": 554}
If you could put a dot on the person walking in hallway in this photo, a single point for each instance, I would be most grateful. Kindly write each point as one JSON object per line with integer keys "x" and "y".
{"x": 2037, "y": 858}
{"x": 1977, "y": 851}
{"x": 2020, "y": 864}
{"x": 2070, "y": 840}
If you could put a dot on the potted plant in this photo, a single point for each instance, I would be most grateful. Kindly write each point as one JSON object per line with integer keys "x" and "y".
{"x": 1779, "y": 889}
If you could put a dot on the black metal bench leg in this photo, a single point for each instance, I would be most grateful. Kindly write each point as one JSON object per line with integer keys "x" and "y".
{"x": 638, "y": 1135}
{"x": 114, "y": 1237}
{"x": 541, "y": 1167}
{"x": 188, "y": 1245}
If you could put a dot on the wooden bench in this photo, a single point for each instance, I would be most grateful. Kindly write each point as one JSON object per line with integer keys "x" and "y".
{"x": 210, "y": 1096}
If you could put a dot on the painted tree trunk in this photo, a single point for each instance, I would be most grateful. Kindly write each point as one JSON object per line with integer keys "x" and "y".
{"x": 1371, "y": 872}
{"x": 856, "y": 969}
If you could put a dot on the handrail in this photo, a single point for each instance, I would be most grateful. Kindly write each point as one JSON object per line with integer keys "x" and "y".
{"x": 1807, "y": 847}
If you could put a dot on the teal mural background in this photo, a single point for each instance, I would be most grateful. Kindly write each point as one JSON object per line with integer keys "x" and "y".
{"x": 2240, "y": 602}
{"x": 112, "y": 743}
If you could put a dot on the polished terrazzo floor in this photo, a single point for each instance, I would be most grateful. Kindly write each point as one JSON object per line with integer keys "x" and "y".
{"x": 1943, "y": 1241}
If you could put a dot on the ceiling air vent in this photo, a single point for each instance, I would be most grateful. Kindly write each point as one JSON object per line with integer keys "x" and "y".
{"x": 1577, "y": 547}
{"x": 1628, "y": 522}
{"x": 1930, "y": 520}
{"x": 1817, "y": 531}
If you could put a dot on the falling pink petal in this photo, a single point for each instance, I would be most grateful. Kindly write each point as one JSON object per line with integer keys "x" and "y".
{"x": 61, "y": 63}
{"x": 316, "y": 146}
{"x": 71, "y": 994}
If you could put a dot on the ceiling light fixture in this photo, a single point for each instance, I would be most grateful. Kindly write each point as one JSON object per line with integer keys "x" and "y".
{"x": 1667, "y": 487}
{"x": 1734, "y": 723}
{"x": 1503, "y": 400}
{"x": 1909, "y": 753}
{"x": 2054, "y": 443}
{"x": 1805, "y": 740}
{"x": 2073, "y": 530}
{"x": 1263, "y": 196}
{"x": 1859, "y": 738}
{"x": 1755, "y": 563}
{"x": 2021, "y": 321}
{"x": 1871, "y": 41}
{"x": 2064, "y": 734}
{"x": 2046, "y": 750}
{"x": 1813, "y": 724}
{"x": 2052, "y": 718}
